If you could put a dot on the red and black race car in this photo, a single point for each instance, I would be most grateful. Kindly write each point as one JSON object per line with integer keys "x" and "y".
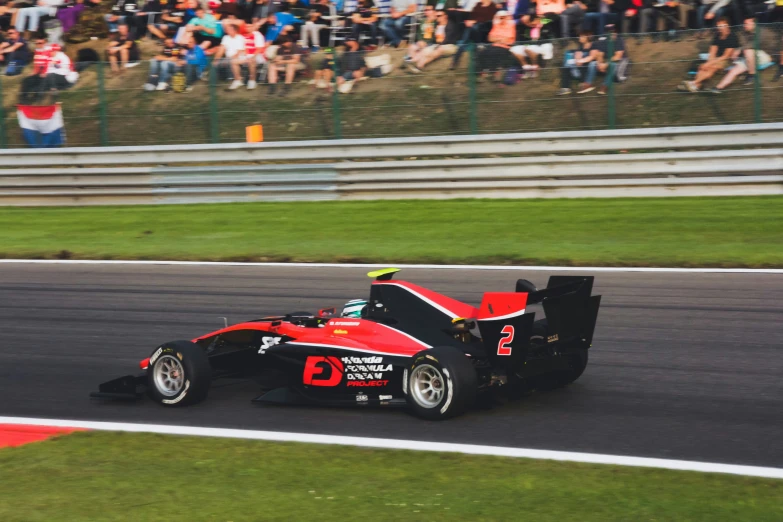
{"x": 409, "y": 346}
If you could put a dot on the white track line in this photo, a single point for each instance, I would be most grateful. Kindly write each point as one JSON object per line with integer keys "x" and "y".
{"x": 384, "y": 265}
{"x": 366, "y": 442}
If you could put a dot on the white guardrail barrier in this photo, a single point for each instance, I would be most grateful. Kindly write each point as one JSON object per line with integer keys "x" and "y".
{"x": 675, "y": 161}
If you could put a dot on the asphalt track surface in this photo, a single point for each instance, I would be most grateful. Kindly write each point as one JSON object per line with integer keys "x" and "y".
{"x": 684, "y": 366}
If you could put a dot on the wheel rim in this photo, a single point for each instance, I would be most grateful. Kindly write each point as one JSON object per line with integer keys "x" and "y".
{"x": 427, "y": 386}
{"x": 169, "y": 375}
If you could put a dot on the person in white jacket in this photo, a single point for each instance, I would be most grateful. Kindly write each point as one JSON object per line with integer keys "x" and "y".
{"x": 34, "y": 14}
{"x": 60, "y": 74}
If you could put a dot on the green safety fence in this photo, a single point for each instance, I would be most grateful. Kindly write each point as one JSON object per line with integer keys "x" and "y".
{"x": 442, "y": 99}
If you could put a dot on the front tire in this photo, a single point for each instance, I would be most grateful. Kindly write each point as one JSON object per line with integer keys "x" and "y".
{"x": 179, "y": 374}
{"x": 440, "y": 383}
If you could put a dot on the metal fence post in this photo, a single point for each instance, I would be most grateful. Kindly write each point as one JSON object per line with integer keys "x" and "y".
{"x": 3, "y": 136}
{"x": 102, "y": 122}
{"x": 214, "y": 124}
{"x": 610, "y": 71}
{"x": 756, "y": 76}
{"x": 473, "y": 105}
{"x": 336, "y": 114}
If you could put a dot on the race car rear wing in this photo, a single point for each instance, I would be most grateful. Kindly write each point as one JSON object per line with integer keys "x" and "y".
{"x": 569, "y": 308}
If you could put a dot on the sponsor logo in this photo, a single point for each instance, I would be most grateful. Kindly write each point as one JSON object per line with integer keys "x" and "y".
{"x": 322, "y": 371}
{"x": 552, "y": 338}
{"x": 366, "y": 383}
{"x": 155, "y": 355}
{"x": 361, "y": 398}
{"x": 365, "y": 368}
{"x": 344, "y": 323}
{"x": 385, "y": 397}
{"x": 343, "y": 332}
{"x": 267, "y": 342}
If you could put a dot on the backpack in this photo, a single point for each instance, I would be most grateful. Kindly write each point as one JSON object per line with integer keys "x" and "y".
{"x": 178, "y": 82}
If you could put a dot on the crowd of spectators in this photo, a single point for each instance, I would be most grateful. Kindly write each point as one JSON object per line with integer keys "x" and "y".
{"x": 274, "y": 40}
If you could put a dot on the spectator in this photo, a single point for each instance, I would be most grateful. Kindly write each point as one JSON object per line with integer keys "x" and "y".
{"x": 365, "y": 21}
{"x": 400, "y": 16}
{"x": 425, "y": 38}
{"x": 447, "y": 32}
{"x": 578, "y": 67}
{"x": 33, "y": 14}
{"x": 123, "y": 51}
{"x": 281, "y": 25}
{"x": 721, "y": 50}
{"x": 315, "y": 33}
{"x": 749, "y": 58}
{"x": 263, "y": 9}
{"x": 614, "y": 66}
{"x": 255, "y": 52}
{"x": 164, "y": 18}
{"x": 7, "y": 13}
{"x": 710, "y": 10}
{"x": 352, "y": 65}
{"x": 14, "y": 52}
{"x": 233, "y": 48}
{"x": 323, "y": 76}
{"x": 498, "y": 56}
{"x": 195, "y": 63}
{"x": 599, "y": 16}
{"x": 536, "y": 32}
{"x": 287, "y": 61}
{"x": 119, "y": 14}
{"x": 205, "y": 29}
{"x": 163, "y": 66}
{"x": 477, "y": 26}
{"x": 60, "y": 74}
{"x": 572, "y": 16}
{"x": 69, "y": 14}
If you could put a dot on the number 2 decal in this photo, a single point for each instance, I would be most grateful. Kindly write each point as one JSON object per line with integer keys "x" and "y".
{"x": 504, "y": 347}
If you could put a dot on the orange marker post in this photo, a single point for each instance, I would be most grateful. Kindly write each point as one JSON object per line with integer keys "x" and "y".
{"x": 254, "y": 133}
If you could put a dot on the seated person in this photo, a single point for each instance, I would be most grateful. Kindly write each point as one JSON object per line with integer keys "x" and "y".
{"x": 497, "y": 56}
{"x": 532, "y": 30}
{"x": 120, "y": 12}
{"x": 395, "y": 27}
{"x": 747, "y": 60}
{"x": 60, "y": 74}
{"x": 316, "y": 30}
{"x": 7, "y": 13}
{"x": 14, "y": 52}
{"x": 233, "y": 48}
{"x": 436, "y": 39}
{"x": 123, "y": 51}
{"x": 722, "y": 49}
{"x": 287, "y": 60}
{"x": 69, "y": 14}
{"x": 478, "y": 23}
{"x": 572, "y": 17}
{"x": 255, "y": 52}
{"x": 578, "y": 67}
{"x": 325, "y": 73}
{"x": 352, "y": 65}
{"x": 205, "y": 29}
{"x": 165, "y": 18}
{"x": 280, "y": 25}
{"x": 365, "y": 21}
{"x": 163, "y": 66}
{"x": 612, "y": 67}
{"x": 195, "y": 63}
{"x": 31, "y": 16}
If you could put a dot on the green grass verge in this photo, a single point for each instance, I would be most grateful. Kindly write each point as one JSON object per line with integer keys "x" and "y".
{"x": 660, "y": 232}
{"x": 111, "y": 476}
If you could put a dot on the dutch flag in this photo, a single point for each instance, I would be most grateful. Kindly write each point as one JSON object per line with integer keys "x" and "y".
{"x": 42, "y": 125}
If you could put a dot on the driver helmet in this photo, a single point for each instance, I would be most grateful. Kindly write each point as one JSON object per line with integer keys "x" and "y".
{"x": 353, "y": 308}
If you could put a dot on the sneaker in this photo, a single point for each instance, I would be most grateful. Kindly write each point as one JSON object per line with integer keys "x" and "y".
{"x": 715, "y": 90}
{"x": 584, "y": 88}
{"x": 691, "y": 86}
{"x": 131, "y": 64}
{"x": 189, "y": 88}
{"x": 236, "y": 84}
{"x": 251, "y": 84}
{"x": 315, "y": 49}
{"x": 149, "y": 87}
{"x": 602, "y": 89}
{"x": 321, "y": 84}
{"x": 413, "y": 68}
{"x": 564, "y": 91}
{"x": 749, "y": 80}
{"x": 162, "y": 86}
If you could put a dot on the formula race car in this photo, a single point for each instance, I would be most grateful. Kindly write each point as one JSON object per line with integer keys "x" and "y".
{"x": 404, "y": 346}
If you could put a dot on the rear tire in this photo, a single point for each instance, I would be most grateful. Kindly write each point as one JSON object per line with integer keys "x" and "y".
{"x": 440, "y": 383}
{"x": 179, "y": 374}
